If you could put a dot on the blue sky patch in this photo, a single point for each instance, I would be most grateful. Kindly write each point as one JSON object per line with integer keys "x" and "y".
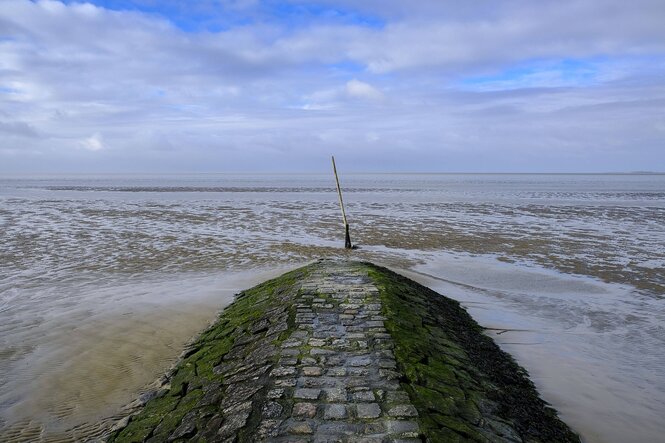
{"x": 541, "y": 74}
{"x": 220, "y": 16}
{"x": 8, "y": 90}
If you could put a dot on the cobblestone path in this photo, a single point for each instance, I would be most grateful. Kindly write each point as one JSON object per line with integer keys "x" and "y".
{"x": 337, "y": 368}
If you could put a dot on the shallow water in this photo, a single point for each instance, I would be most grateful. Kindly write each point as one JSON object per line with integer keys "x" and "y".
{"x": 103, "y": 280}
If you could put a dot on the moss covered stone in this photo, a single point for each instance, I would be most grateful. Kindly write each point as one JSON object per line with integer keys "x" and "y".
{"x": 197, "y": 383}
{"x": 458, "y": 378}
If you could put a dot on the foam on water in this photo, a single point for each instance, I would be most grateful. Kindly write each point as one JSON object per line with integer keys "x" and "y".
{"x": 102, "y": 280}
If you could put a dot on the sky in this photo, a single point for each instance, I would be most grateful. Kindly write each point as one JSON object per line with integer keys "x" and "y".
{"x": 384, "y": 85}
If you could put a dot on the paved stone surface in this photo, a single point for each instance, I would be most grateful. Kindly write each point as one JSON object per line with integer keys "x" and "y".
{"x": 343, "y": 390}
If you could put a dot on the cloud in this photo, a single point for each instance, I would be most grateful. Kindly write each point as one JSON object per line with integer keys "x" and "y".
{"x": 93, "y": 143}
{"x": 357, "y": 89}
{"x": 352, "y": 92}
{"x": 20, "y": 129}
{"x": 242, "y": 85}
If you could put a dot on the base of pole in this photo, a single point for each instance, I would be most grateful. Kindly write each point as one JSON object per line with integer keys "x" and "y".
{"x": 347, "y": 238}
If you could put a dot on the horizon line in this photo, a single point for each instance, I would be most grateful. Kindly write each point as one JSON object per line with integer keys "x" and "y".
{"x": 326, "y": 172}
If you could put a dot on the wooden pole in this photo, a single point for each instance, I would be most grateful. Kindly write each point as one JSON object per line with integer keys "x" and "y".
{"x": 347, "y": 236}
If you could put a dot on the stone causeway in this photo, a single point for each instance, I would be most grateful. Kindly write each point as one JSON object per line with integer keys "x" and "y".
{"x": 338, "y": 368}
{"x": 342, "y": 351}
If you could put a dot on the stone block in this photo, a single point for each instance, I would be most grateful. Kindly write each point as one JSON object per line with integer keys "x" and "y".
{"x": 403, "y": 411}
{"x": 307, "y": 393}
{"x": 363, "y": 396}
{"x": 304, "y": 410}
{"x": 368, "y": 410}
{"x": 335, "y": 412}
{"x": 312, "y": 371}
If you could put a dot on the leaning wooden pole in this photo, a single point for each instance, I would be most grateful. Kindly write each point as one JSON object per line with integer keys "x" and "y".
{"x": 347, "y": 236}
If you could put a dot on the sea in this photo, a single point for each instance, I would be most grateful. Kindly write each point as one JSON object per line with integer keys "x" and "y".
{"x": 104, "y": 279}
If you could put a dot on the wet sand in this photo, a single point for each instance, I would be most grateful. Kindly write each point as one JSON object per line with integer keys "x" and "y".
{"x": 91, "y": 363}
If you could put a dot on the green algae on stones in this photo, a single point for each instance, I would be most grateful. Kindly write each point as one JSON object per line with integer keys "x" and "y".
{"x": 248, "y": 331}
{"x": 464, "y": 386}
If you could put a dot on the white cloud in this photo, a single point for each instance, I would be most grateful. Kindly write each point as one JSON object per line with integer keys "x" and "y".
{"x": 352, "y": 92}
{"x": 93, "y": 143}
{"x": 357, "y": 89}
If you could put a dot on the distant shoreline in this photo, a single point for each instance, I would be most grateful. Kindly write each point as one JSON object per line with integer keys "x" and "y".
{"x": 290, "y": 173}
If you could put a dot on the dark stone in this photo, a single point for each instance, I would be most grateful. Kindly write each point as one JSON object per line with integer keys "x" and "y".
{"x": 247, "y": 375}
{"x": 272, "y": 409}
{"x": 275, "y": 312}
{"x": 260, "y": 326}
{"x": 243, "y": 340}
{"x": 235, "y": 353}
{"x": 228, "y": 368}
{"x": 267, "y": 429}
{"x": 238, "y": 408}
{"x": 233, "y": 423}
{"x": 261, "y": 354}
{"x": 210, "y": 433}
{"x": 243, "y": 390}
{"x": 212, "y": 394}
{"x": 277, "y": 328}
{"x": 187, "y": 427}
